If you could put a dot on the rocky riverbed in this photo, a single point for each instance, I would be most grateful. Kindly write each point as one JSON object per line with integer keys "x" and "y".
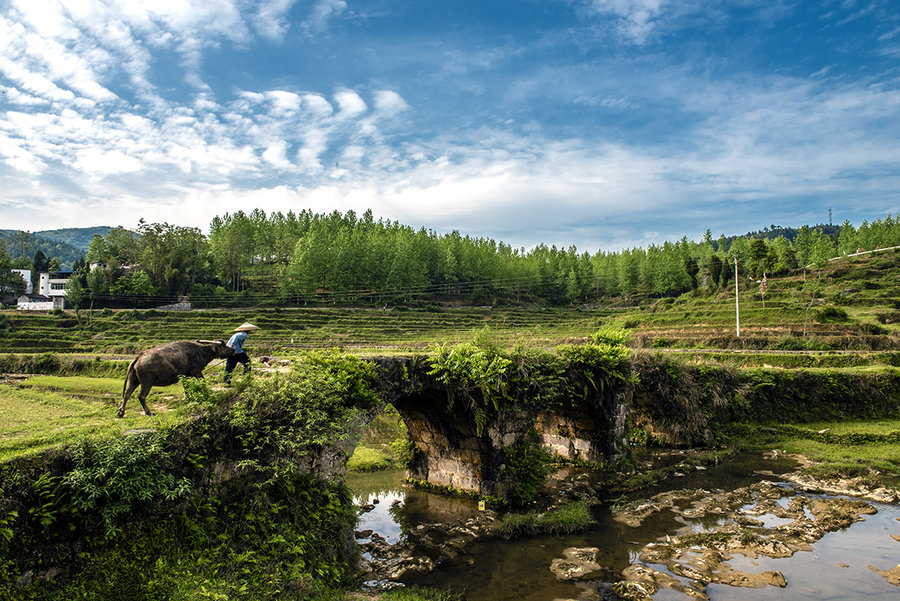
{"x": 720, "y": 537}
{"x": 761, "y": 520}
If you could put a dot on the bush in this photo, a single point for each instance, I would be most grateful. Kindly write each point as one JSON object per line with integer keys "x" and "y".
{"x": 527, "y": 466}
{"x": 119, "y": 475}
{"x": 832, "y": 315}
{"x": 404, "y": 452}
{"x": 790, "y": 343}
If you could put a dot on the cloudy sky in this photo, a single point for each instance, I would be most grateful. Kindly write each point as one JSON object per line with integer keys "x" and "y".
{"x": 600, "y": 123}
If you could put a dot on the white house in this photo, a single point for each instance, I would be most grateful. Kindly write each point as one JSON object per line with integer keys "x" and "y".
{"x": 51, "y": 292}
{"x": 53, "y": 284}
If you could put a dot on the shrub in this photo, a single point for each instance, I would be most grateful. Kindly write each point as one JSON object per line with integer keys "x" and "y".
{"x": 404, "y": 452}
{"x": 832, "y": 315}
{"x": 789, "y": 343}
{"x": 115, "y": 476}
{"x": 527, "y": 466}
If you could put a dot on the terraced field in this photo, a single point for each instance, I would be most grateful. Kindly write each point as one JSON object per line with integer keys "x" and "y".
{"x": 124, "y": 332}
{"x": 849, "y": 306}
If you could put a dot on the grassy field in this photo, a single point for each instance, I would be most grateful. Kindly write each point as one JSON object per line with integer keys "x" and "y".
{"x": 48, "y": 411}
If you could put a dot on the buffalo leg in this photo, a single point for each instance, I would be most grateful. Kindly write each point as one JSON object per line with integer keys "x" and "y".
{"x": 142, "y": 397}
{"x": 132, "y": 384}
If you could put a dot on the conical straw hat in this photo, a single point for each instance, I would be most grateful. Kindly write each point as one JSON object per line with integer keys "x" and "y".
{"x": 246, "y": 327}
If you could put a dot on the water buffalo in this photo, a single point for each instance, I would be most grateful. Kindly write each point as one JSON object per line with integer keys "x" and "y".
{"x": 161, "y": 366}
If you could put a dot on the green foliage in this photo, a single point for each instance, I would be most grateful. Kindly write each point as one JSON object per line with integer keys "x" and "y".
{"x": 527, "y": 466}
{"x": 605, "y": 363}
{"x": 307, "y": 258}
{"x": 284, "y": 539}
{"x": 832, "y": 315}
{"x": 567, "y": 519}
{"x": 419, "y": 594}
{"x": 468, "y": 367}
{"x": 613, "y": 337}
{"x": 320, "y": 401}
{"x": 200, "y": 397}
{"x": 366, "y": 459}
{"x": 404, "y": 452}
{"x": 115, "y": 476}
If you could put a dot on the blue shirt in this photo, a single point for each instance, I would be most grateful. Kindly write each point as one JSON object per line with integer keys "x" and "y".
{"x": 237, "y": 342}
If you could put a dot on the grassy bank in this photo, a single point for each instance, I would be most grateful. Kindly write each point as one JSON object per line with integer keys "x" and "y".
{"x": 867, "y": 451}
{"x": 44, "y": 412}
{"x": 227, "y": 505}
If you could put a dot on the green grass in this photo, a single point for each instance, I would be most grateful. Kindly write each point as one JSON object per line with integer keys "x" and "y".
{"x": 835, "y": 454}
{"x": 883, "y": 427}
{"x": 566, "y": 519}
{"x": 419, "y": 594}
{"x": 848, "y": 460}
{"x": 367, "y": 459}
{"x": 50, "y": 411}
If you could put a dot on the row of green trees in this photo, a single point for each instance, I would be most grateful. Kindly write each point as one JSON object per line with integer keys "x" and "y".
{"x": 298, "y": 257}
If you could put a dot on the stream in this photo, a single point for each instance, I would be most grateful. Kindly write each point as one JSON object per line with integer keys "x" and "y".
{"x": 838, "y": 566}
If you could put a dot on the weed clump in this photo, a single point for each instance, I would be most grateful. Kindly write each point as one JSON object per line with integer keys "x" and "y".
{"x": 566, "y": 519}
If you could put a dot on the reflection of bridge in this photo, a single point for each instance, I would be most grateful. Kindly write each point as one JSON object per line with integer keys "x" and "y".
{"x": 451, "y": 453}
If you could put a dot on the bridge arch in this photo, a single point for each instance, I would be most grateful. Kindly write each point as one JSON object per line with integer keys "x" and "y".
{"x": 452, "y": 452}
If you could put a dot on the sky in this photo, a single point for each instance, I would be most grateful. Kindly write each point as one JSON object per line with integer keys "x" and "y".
{"x": 604, "y": 124}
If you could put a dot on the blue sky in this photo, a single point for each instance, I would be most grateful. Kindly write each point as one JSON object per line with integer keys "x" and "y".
{"x": 600, "y": 123}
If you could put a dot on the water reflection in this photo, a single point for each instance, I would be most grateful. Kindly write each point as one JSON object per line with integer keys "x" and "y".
{"x": 496, "y": 570}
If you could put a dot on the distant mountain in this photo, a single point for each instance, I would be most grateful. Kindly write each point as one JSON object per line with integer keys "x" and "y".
{"x": 66, "y": 252}
{"x": 79, "y": 237}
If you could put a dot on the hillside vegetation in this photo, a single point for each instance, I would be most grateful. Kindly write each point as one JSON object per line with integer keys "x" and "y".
{"x": 302, "y": 259}
{"x": 850, "y": 304}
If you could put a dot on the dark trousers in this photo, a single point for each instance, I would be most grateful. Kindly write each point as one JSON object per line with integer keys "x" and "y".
{"x": 233, "y": 360}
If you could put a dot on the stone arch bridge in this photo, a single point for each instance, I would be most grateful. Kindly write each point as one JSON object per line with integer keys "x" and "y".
{"x": 450, "y": 450}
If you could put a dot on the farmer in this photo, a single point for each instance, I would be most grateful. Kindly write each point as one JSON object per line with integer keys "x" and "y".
{"x": 237, "y": 343}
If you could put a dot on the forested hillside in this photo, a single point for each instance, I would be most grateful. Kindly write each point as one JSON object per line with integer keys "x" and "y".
{"x": 301, "y": 258}
{"x": 22, "y": 247}
{"x": 79, "y": 237}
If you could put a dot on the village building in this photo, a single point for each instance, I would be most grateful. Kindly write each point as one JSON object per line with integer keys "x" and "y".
{"x": 51, "y": 293}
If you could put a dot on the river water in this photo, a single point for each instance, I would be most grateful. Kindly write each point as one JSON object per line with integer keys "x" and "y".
{"x": 837, "y": 568}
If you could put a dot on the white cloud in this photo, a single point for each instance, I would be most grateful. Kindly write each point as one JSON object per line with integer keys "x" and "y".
{"x": 318, "y": 105}
{"x": 100, "y": 163}
{"x": 322, "y": 12}
{"x": 637, "y": 17}
{"x": 19, "y": 158}
{"x": 350, "y": 104}
{"x": 276, "y": 155}
{"x": 284, "y": 104}
{"x": 271, "y": 18}
{"x": 315, "y": 141}
{"x": 389, "y": 103}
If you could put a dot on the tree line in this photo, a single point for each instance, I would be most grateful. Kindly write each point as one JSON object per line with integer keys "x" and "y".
{"x": 291, "y": 258}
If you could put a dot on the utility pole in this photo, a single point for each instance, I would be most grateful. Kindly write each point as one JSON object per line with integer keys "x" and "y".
{"x": 737, "y": 302}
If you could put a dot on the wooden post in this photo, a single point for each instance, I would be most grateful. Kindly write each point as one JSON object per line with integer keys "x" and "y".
{"x": 737, "y": 302}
